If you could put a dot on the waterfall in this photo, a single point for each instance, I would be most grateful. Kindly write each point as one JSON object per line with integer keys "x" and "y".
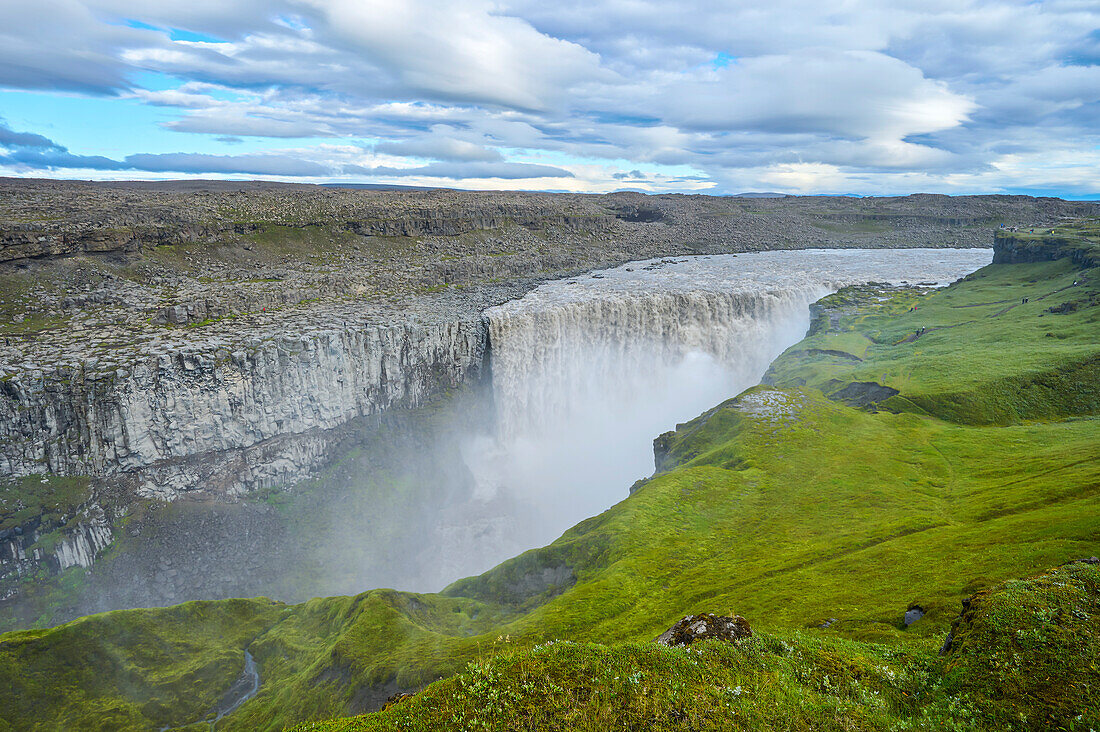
{"x": 549, "y": 365}
{"x": 587, "y": 371}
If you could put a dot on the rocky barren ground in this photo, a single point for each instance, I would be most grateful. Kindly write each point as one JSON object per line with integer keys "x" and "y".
{"x": 215, "y": 339}
{"x": 96, "y": 275}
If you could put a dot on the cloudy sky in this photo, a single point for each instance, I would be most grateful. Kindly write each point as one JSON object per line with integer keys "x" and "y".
{"x": 799, "y": 96}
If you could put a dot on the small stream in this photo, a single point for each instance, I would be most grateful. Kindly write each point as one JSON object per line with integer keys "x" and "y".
{"x": 244, "y": 688}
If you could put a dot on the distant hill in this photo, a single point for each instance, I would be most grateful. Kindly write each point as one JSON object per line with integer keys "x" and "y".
{"x": 390, "y": 187}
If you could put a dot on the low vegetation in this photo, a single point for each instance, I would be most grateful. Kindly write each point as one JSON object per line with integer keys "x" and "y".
{"x": 1023, "y": 658}
{"x": 130, "y": 669}
{"x": 47, "y": 499}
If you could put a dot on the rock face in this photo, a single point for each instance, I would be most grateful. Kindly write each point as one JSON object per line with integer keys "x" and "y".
{"x": 80, "y": 539}
{"x": 705, "y": 627}
{"x": 154, "y": 417}
{"x": 1013, "y": 247}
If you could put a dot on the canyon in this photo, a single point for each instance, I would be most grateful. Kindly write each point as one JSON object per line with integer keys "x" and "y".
{"x": 217, "y": 343}
{"x": 826, "y": 506}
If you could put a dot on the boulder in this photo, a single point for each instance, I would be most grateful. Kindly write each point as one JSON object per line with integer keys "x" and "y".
{"x": 912, "y": 615}
{"x": 397, "y": 699}
{"x": 701, "y": 627}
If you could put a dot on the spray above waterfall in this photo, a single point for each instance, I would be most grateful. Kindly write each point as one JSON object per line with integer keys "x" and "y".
{"x": 588, "y": 370}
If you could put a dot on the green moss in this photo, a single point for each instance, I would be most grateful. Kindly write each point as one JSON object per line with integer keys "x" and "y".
{"x": 53, "y": 498}
{"x": 436, "y": 288}
{"x": 852, "y": 227}
{"x": 1023, "y": 658}
{"x": 1010, "y": 369}
{"x": 1024, "y": 655}
{"x": 130, "y": 669}
{"x": 763, "y": 683}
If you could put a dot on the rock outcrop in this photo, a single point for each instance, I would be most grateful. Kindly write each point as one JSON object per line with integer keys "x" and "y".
{"x": 77, "y": 541}
{"x": 1044, "y": 245}
{"x": 706, "y": 626}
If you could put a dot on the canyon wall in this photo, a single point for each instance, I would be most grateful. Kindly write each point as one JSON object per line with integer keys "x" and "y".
{"x": 163, "y": 418}
{"x": 1011, "y": 246}
{"x": 585, "y": 372}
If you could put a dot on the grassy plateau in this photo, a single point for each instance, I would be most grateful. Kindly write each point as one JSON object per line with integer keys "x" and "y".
{"x": 920, "y": 448}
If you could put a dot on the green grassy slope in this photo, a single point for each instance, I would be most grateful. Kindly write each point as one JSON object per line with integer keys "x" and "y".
{"x": 130, "y": 669}
{"x": 985, "y": 356}
{"x": 1024, "y": 657}
{"x": 783, "y": 505}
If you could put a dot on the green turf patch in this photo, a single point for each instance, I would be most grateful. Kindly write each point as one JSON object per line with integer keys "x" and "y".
{"x": 1022, "y": 657}
{"x": 52, "y": 499}
{"x": 987, "y": 351}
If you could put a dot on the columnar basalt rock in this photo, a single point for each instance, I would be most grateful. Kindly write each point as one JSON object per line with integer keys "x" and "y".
{"x": 79, "y": 539}
{"x": 164, "y": 409}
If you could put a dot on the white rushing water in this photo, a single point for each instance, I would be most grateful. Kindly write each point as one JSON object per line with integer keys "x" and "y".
{"x": 588, "y": 370}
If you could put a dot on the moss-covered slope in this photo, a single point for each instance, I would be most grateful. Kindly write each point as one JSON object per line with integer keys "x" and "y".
{"x": 963, "y": 456}
{"x": 1024, "y": 656}
{"x": 1011, "y": 343}
{"x": 130, "y": 669}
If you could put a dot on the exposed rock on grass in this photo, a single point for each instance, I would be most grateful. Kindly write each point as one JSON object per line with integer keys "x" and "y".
{"x": 864, "y": 393}
{"x": 706, "y": 626}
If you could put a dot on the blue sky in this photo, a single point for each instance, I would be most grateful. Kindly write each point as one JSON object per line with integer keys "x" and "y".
{"x": 868, "y": 97}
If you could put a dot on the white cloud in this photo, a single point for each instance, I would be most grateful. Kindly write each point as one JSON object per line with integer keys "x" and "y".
{"x": 263, "y": 164}
{"x": 464, "y": 170}
{"x": 62, "y": 45}
{"x": 804, "y": 177}
{"x": 441, "y": 144}
{"x": 461, "y": 51}
{"x": 855, "y": 94}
